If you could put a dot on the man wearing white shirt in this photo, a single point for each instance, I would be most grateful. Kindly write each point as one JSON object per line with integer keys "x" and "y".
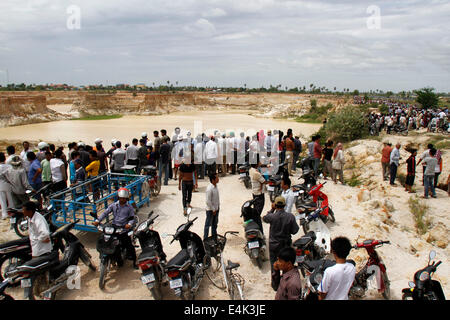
{"x": 212, "y": 207}
{"x": 198, "y": 158}
{"x": 221, "y": 158}
{"x": 211, "y": 155}
{"x": 287, "y": 194}
{"x": 23, "y": 155}
{"x": 38, "y": 229}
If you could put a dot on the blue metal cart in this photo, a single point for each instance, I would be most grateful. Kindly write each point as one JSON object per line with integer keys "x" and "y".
{"x": 95, "y": 195}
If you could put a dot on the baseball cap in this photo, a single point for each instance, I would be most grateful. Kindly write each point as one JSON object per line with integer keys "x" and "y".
{"x": 280, "y": 201}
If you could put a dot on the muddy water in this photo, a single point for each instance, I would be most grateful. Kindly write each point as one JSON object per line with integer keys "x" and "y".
{"x": 129, "y": 127}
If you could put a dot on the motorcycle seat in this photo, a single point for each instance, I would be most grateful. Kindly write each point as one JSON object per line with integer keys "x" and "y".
{"x": 44, "y": 260}
{"x": 308, "y": 205}
{"x": 179, "y": 259}
{"x": 252, "y": 225}
{"x": 312, "y": 265}
{"x": 232, "y": 265}
{"x": 305, "y": 240}
{"x": 147, "y": 254}
{"x": 15, "y": 243}
{"x": 149, "y": 167}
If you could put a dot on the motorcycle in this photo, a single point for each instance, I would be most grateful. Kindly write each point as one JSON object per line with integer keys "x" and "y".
{"x": 186, "y": 270}
{"x": 423, "y": 287}
{"x": 110, "y": 247}
{"x": 152, "y": 259}
{"x": 274, "y": 186}
{"x": 306, "y": 248}
{"x": 312, "y": 272}
{"x": 244, "y": 175}
{"x": 319, "y": 200}
{"x": 373, "y": 267}
{"x": 153, "y": 180}
{"x": 45, "y": 275}
{"x": 255, "y": 246}
{"x": 18, "y": 221}
{"x": 3, "y": 285}
{"x": 16, "y": 252}
{"x": 322, "y": 240}
{"x": 302, "y": 190}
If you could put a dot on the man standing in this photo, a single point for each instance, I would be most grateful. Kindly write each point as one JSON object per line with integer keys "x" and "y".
{"x": 222, "y": 147}
{"x": 34, "y": 172}
{"x": 212, "y": 207}
{"x": 425, "y": 154}
{"x": 258, "y": 182}
{"x": 290, "y": 287}
{"x": 186, "y": 182}
{"x": 23, "y": 155}
{"x": 156, "y": 145}
{"x": 199, "y": 158}
{"x": 38, "y": 229}
{"x": 317, "y": 152}
{"x": 164, "y": 157}
{"x": 142, "y": 155}
{"x": 394, "y": 163}
{"x": 287, "y": 194}
{"x": 297, "y": 151}
{"x": 211, "y": 156}
{"x": 290, "y": 147}
{"x": 429, "y": 174}
{"x": 46, "y": 174}
{"x": 59, "y": 173}
{"x": 385, "y": 159}
{"x": 282, "y": 226}
{"x": 411, "y": 171}
{"x": 132, "y": 153}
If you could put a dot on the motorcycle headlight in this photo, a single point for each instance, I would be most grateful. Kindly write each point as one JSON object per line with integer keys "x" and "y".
{"x": 424, "y": 276}
{"x": 142, "y": 227}
{"x": 109, "y": 230}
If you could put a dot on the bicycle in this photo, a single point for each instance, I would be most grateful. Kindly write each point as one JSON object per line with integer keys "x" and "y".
{"x": 232, "y": 282}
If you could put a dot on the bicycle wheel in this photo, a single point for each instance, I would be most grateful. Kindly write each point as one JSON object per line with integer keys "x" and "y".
{"x": 215, "y": 275}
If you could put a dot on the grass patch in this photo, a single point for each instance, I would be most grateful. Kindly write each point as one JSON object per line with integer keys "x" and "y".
{"x": 419, "y": 210}
{"x": 100, "y": 117}
{"x": 354, "y": 181}
{"x": 439, "y": 142}
{"x": 310, "y": 118}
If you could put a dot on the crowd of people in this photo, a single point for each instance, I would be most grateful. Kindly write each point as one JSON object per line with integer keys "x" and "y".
{"x": 431, "y": 160}
{"x": 405, "y": 116}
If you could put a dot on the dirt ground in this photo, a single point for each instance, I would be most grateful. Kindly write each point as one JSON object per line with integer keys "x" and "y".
{"x": 353, "y": 219}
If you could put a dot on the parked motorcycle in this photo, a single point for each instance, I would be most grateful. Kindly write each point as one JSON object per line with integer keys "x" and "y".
{"x": 373, "y": 267}
{"x": 18, "y": 221}
{"x": 423, "y": 287}
{"x": 320, "y": 200}
{"x": 244, "y": 175}
{"x": 45, "y": 275}
{"x": 110, "y": 247}
{"x": 255, "y": 246}
{"x": 274, "y": 185}
{"x": 312, "y": 222}
{"x": 307, "y": 249}
{"x": 153, "y": 180}
{"x": 312, "y": 272}
{"x": 187, "y": 268}
{"x": 152, "y": 259}
{"x": 16, "y": 252}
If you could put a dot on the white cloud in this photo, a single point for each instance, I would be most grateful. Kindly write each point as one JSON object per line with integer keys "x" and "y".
{"x": 215, "y": 12}
{"x": 78, "y": 50}
{"x": 202, "y": 27}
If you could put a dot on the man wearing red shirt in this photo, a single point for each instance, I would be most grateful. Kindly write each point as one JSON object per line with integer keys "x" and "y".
{"x": 385, "y": 158}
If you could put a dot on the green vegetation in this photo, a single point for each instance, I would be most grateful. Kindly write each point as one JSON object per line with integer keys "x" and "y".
{"x": 439, "y": 142}
{"x": 354, "y": 180}
{"x": 419, "y": 210}
{"x": 99, "y": 117}
{"x": 346, "y": 125}
{"x": 427, "y": 98}
{"x": 316, "y": 114}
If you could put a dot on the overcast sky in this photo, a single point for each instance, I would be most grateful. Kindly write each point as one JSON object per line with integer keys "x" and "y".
{"x": 333, "y": 43}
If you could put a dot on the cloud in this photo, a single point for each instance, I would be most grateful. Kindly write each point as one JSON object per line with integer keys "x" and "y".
{"x": 78, "y": 50}
{"x": 215, "y": 12}
{"x": 202, "y": 27}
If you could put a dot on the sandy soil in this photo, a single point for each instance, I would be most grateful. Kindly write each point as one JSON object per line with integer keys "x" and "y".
{"x": 353, "y": 219}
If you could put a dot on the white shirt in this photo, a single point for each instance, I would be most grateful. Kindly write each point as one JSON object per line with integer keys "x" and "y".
{"x": 212, "y": 198}
{"x": 39, "y": 230}
{"x": 289, "y": 196}
{"x": 337, "y": 281}
{"x": 210, "y": 150}
{"x": 257, "y": 180}
{"x": 55, "y": 167}
{"x": 26, "y": 163}
{"x": 132, "y": 152}
{"x": 198, "y": 153}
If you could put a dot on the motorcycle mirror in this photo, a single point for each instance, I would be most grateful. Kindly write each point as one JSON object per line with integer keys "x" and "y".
{"x": 28, "y": 192}
{"x": 411, "y": 284}
{"x": 321, "y": 176}
{"x": 188, "y": 211}
{"x": 150, "y": 214}
{"x": 432, "y": 255}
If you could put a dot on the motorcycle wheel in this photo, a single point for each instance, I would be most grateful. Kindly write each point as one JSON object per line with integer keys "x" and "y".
{"x": 156, "y": 291}
{"x": 259, "y": 262}
{"x": 40, "y": 284}
{"x": 331, "y": 215}
{"x": 104, "y": 265}
{"x": 272, "y": 196}
{"x": 21, "y": 232}
{"x": 85, "y": 257}
{"x": 387, "y": 286}
{"x": 6, "y": 265}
